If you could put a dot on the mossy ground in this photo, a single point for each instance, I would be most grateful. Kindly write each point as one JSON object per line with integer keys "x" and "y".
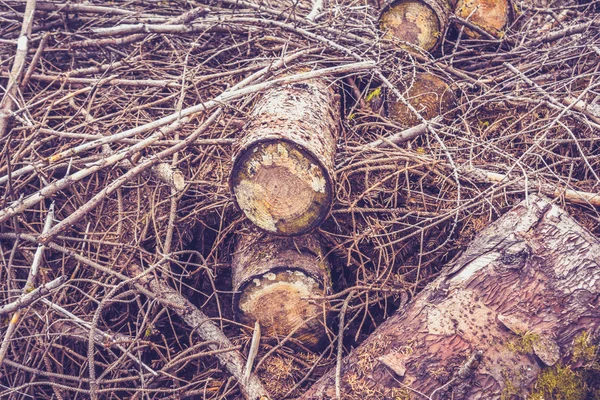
{"x": 580, "y": 380}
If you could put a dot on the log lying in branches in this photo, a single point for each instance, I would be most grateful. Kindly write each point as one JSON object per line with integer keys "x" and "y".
{"x": 490, "y": 15}
{"x": 418, "y": 22}
{"x": 516, "y": 300}
{"x": 282, "y": 173}
{"x": 274, "y": 280}
{"x": 427, "y": 93}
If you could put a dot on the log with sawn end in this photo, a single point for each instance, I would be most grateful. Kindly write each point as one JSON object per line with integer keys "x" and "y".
{"x": 280, "y": 282}
{"x": 421, "y": 23}
{"x": 282, "y": 175}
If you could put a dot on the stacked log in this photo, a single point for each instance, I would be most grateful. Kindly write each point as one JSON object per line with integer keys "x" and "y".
{"x": 282, "y": 180}
{"x": 282, "y": 176}
{"x": 280, "y": 282}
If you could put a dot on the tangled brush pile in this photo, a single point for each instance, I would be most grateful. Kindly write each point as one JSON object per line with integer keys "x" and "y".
{"x": 117, "y": 128}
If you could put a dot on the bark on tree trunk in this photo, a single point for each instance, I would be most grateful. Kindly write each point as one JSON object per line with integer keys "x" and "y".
{"x": 282, "y": 176}
{"x": 276, "y": 281}
{"x": 418, "y": 22}
{"x": 514, "y": 301}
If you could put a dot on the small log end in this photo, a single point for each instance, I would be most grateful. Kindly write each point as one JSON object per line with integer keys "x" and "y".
{"x": 283, "y": 302}
{"x": 428, "y": 94}
{"x": 413, "y": 22}
{"x": 490, "y": 15}
{"x": 281, "y": 188}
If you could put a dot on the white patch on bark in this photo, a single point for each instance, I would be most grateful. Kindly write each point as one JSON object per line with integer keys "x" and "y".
{"x": 270, "y": 276}
{"x": 473, "y": 267}
{"x": 318, "y": 181}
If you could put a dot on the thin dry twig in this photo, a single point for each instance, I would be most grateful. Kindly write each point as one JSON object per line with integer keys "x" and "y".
{"x": 29, "y": 285}
{"x": 30, "y": 297}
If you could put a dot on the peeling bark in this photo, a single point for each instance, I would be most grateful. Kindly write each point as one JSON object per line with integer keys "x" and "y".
{"x": 282, "y": 176}
{"x": 533, "y": 274}
{"x": 276, "y": 281}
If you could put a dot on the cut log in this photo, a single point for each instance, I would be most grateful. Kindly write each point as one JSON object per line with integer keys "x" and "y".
{"x": 282, "y": 173}
{"x": 516, "y": 300}
{"x": 427, "y": 93}
{"x": 277, "y": 280}
{"x": 419, "y": 22}
{"x": 490, "y": 15}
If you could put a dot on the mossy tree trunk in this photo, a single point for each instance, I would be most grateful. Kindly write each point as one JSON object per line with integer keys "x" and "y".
{"x": 282, "y": 176}
{"x": 516, "y": 301}
{"x": 281, "y": 282}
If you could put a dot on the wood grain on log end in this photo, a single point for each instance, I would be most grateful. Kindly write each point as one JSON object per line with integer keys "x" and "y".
{"x": 420, "y": 23}
{"x": 278, "y": 281}
{"x": 282, "y": 175}
{"x": 281, "y": 188}
{"x": 490, "y": 15}
{"x": 428, "y": 94}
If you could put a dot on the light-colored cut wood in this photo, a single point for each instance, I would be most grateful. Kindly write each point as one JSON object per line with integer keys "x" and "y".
{"x": 277, "y": 281}
{"x": 419, "y": 22}
{"x": 490, "y": 15}
{"x": 282, "y": 173}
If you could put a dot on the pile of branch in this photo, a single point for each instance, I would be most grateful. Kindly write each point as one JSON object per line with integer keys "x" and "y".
{"x": 123, "y": 241}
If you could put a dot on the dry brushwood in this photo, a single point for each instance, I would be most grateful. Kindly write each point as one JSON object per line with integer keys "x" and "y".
{"x": 129, "y": 115}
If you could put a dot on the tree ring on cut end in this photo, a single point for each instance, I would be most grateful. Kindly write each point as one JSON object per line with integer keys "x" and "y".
{"x": 428, "y": 94}
{"x": 281, "y": 187}
{"x": 280, "y": 300}
{"x": 412, "y": 21}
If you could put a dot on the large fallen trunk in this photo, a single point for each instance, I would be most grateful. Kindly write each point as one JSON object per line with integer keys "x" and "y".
{"x": 515, "y": 301}
{"x": 277, "y": 280}
{"x": 282, "y": 175}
